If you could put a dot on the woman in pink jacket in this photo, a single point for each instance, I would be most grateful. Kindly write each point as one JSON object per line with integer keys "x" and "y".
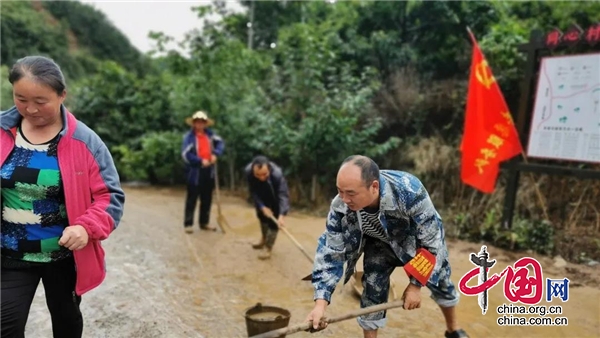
{"x": 61, "y": 196}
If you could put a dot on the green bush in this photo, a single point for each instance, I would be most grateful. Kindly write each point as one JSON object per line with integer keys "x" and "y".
{"x": 536, "y": 235}
{"x": 525, "y": 234}
{"x": 158, "y": 160}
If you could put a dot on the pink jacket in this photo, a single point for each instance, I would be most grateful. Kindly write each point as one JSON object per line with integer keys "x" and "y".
{"x": 93, "y": 195}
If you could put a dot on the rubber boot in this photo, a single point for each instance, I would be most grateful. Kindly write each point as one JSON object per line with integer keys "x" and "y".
{"x": 266, "y": 254}
{"x": 208, "y": 227}
{"x": 259, "y": 245}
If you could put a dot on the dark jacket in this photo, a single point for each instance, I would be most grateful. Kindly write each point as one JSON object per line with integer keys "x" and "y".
{"x": 189, "y": 153}
{"x": 273, "y": 193}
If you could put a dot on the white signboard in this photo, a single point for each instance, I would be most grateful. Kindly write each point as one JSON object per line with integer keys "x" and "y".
{"x": 566, "y": 115}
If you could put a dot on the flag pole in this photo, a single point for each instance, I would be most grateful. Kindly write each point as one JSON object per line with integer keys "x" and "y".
{"x": 471, "y": 35}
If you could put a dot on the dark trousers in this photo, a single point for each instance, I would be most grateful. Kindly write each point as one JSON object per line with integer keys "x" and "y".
{"x": 268, "y": 229}
{"x": 203, "y": 190}
{"x": 18, "y": 289}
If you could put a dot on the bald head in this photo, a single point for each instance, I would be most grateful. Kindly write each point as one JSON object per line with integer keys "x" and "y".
{"x": 369, "y": 170}
{"x": 358, "y": 182}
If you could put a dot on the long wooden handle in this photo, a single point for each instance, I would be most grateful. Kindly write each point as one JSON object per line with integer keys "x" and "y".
{"x": 350, "y": 315}
{"x": 220, "y": 215}
{"x": 293, "y": 240}
{"x": 393, "y": 286}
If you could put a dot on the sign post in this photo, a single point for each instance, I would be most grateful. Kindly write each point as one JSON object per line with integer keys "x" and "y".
{"x": 561, "y": 121}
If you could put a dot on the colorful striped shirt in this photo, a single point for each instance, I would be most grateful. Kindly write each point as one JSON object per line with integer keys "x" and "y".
{"x": 33, "y": 203}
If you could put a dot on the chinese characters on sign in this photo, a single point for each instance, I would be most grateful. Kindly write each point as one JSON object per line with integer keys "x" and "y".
{"x": 575, "y": 34}
{"x": 553, "y": 38}
{"x": 564, "y": 129}
{"x": 592, "y": 35}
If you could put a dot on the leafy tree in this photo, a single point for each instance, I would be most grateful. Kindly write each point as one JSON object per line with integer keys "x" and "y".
{"x": 6, "y": 94}
{"x": 74, "y": 34}
{"x": 222, "y": 80}
{"x": 97, "y": 34}
{"x": 120, "y": 107}
{"x": 322, "y": 108}
{"x": 25, "y": 31}
{"x": 157, "y": 160}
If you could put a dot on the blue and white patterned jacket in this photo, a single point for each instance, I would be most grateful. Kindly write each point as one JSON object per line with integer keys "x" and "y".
{"x": 407, "y": 214}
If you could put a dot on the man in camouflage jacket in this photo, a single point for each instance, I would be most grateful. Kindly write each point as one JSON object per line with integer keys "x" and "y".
{"x": 388, "y": 216}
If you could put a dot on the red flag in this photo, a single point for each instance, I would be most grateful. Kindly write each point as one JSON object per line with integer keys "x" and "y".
{"x": 490, "y": 136}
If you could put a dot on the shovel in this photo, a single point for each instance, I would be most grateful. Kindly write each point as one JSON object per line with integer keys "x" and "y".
{"x": 309, "y": 277}
{"x": 220, "y": 218}
{"x": 307, "y": 326}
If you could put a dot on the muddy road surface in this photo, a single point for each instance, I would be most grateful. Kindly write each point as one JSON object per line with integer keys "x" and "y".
{"x": 162, "y": 282}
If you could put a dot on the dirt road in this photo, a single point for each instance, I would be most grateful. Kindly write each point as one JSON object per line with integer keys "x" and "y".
{"x": 164, "y": 283}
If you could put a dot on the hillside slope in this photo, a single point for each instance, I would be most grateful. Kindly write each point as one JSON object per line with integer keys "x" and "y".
{"x": 76, "y": 35}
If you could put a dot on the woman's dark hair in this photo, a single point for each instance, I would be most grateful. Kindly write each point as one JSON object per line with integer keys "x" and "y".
{"x": 42, "y": 69}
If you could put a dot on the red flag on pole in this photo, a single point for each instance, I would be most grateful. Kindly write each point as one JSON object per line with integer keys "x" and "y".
{"x": 490, "y": 136}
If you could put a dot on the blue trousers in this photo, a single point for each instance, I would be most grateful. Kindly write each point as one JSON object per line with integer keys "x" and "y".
{"x": 379, "y": 263}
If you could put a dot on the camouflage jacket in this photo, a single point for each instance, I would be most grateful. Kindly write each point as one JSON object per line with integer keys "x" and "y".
{"x": 406, "y": 213}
